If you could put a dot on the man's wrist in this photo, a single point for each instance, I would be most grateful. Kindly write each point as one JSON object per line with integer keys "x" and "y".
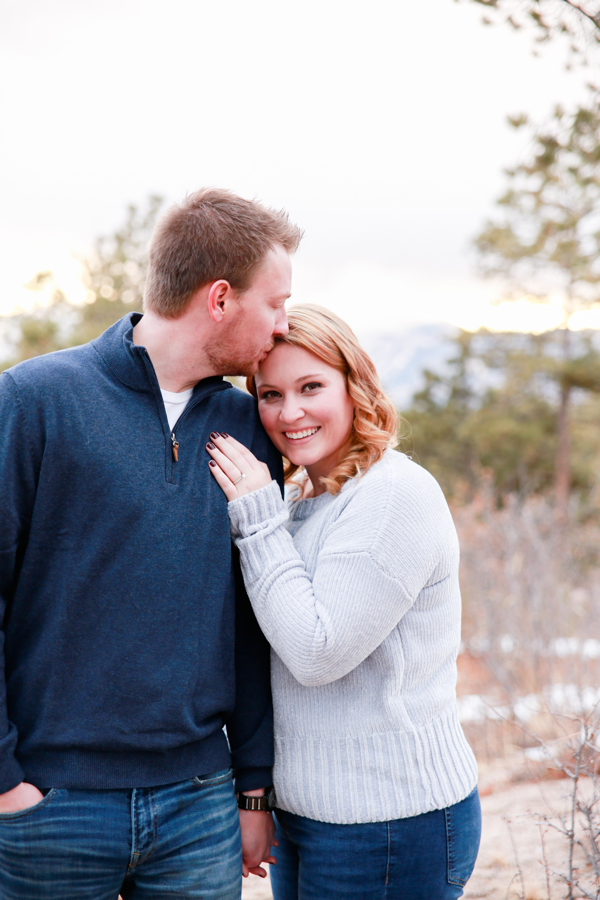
{"x": 258, "y": 800}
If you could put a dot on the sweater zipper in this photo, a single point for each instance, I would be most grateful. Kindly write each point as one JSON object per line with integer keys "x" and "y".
{"x": 224, "y": 385}
{"x": 219, "y": 386}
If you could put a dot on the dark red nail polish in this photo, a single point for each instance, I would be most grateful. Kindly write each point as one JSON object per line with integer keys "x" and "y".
{"x": 212, "y": 463}
{"x": 210, "y": 445}
{"x": 224, "y": 434}
{"x": 214, "y": 435}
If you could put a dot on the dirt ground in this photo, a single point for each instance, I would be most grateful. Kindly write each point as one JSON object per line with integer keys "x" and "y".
{"x": 515, "y": 811}
{"x": 507, "y": 808}
{"x": 255, "y": 888}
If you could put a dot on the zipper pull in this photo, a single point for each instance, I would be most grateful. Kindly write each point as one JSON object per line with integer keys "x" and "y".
{"x": 175, "y": 447}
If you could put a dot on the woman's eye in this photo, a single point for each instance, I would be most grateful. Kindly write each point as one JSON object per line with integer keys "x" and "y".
{"x": 311, "y": 386}
{"x": 269, "y": 395}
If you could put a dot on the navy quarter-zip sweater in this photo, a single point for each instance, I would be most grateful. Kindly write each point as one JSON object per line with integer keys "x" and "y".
{"x": 120, "y": 596}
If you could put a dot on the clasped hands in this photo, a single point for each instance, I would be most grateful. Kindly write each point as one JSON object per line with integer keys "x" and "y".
{"x": 258, "y": 836}
{"x": 235, "y": 468}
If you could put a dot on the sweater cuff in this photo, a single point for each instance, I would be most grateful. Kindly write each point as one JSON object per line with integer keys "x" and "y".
{"x": 253, "y": 779}
{"x": 11, "y": 774}
{"x": 261, "y": 510}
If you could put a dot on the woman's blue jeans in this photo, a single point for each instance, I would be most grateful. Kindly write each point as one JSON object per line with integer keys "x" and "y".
{"x": 179, "y": 840}
{"x": 427, "y": 857}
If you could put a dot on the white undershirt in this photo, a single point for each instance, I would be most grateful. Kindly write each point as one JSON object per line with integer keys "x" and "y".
{"x": 175, "y": 403}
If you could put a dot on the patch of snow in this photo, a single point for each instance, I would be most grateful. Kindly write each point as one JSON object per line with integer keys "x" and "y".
{"x": 591, "y": 649}
{"x": 527, "y": 707}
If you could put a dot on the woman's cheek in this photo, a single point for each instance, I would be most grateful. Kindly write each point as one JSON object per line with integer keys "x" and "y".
{"x": 268, "y": 419}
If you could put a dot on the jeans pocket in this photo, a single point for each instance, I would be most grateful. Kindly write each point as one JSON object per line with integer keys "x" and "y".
{"x": 220, "y": 777}
{"x": 463, "y": 833}
{"x": 19, "y": 813}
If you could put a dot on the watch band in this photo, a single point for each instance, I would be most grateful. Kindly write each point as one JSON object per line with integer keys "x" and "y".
{"x": 263, "y": 804}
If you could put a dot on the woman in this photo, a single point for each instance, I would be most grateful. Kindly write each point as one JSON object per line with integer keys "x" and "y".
{"x": 355, "y": 585}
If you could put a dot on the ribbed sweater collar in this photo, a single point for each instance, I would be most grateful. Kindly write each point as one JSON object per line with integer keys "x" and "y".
{"x": 130, "y": 363}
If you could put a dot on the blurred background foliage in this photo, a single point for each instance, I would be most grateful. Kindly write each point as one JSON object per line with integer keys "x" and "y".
{"x": 113, "y": 274}
{"x": 493, "y": 414}
{"x": 578, "y": 22}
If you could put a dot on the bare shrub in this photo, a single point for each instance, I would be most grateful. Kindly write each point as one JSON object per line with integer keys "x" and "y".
{"x": 576, "y": 755}
{"x": 531, "y": 594}
{"x": 529, "y": 673}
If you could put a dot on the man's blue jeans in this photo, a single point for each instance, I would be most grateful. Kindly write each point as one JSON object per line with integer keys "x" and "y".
{"x": 427, "y": 857}
{"x": 175, "y": 841}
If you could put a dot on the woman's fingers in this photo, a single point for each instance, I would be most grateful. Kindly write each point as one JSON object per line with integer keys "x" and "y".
{"x": 237, "y": 473}
{"x": 225, "y": 462}
{"x": 246, "y": 460}
{"x": 236, "y": 452}
{"x": 223, "y": 480}
{"x": 257, "y": 870}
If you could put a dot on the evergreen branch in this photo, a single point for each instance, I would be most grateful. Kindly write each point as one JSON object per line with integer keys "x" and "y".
{"x": 595, "y": 20}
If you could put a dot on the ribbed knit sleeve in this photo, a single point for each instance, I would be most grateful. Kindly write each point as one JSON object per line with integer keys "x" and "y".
{"x": 377, "y": 553}
{"x": 263, "y": 510}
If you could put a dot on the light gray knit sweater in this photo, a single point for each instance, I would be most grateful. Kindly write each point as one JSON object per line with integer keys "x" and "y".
{"x": 358, "y": 596}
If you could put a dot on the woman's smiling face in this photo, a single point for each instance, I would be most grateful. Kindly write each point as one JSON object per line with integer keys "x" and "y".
{"x": 305, "y": 408}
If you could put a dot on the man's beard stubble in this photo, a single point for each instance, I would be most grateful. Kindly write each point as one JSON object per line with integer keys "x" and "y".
{"x": 227, "y": 360}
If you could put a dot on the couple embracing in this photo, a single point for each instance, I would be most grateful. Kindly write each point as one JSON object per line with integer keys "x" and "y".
{"x": 198, "y": 675}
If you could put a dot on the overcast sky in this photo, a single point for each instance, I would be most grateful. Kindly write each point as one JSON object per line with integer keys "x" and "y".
{"x": 380, "y": 126}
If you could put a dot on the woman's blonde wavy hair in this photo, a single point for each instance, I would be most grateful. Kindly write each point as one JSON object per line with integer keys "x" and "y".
{"x": 375, "y": 418}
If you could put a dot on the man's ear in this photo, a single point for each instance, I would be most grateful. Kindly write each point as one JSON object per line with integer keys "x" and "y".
{"x": 220, "y": 296}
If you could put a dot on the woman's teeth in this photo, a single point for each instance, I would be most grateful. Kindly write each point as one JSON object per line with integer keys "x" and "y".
{"x": 296, "y": 435}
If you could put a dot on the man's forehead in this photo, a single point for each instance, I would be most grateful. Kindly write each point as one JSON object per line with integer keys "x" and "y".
{"x": 277, "y": 269}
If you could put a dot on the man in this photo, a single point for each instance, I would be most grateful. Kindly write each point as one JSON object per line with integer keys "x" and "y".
{"x": 128, "y": 639}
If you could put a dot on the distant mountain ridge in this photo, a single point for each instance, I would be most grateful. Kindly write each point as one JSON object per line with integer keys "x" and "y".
{"x": 401, "y": 357}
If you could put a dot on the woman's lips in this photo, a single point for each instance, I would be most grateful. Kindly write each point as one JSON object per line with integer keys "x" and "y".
{"x": 304, "y": 434}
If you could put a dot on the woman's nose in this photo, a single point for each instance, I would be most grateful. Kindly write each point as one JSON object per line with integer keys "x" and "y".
{"x": 291, "y": 411}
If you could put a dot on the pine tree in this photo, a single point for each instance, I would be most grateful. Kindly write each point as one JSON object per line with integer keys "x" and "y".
{"x": 546, "y": 243}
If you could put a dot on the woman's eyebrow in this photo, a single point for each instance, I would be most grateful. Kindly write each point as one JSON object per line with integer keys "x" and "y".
{"x": 307, "y": 377}
{"x": 265, "y": 384}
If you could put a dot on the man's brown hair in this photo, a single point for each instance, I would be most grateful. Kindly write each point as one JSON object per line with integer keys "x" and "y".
{"x": 212, "y": 235}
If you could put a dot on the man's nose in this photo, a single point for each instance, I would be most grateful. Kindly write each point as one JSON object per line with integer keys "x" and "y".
{"x": 281, "y": 325}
